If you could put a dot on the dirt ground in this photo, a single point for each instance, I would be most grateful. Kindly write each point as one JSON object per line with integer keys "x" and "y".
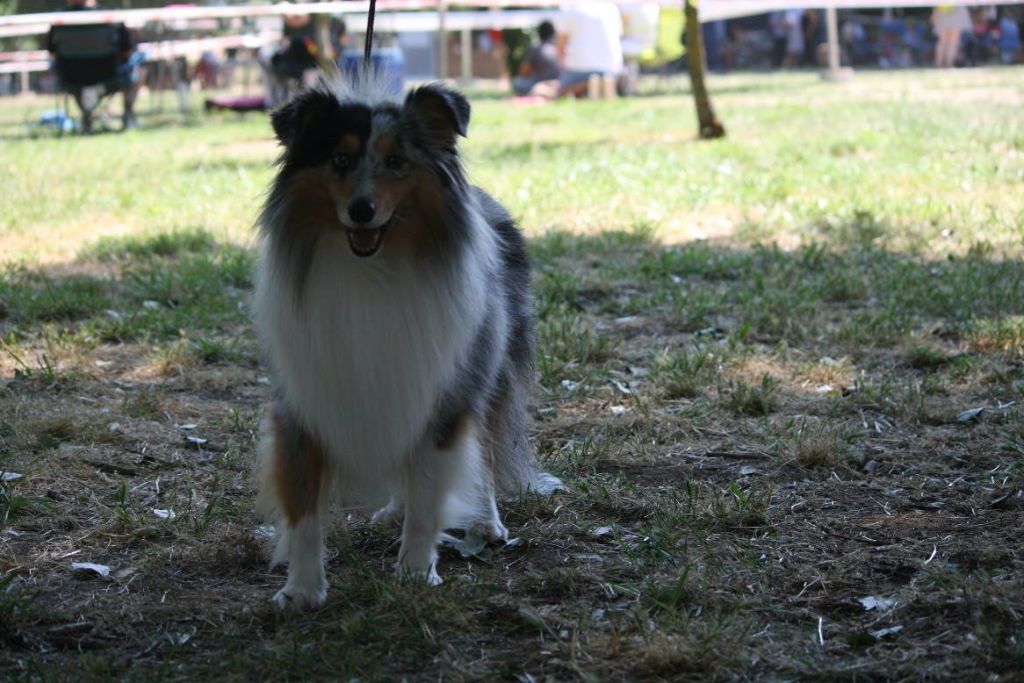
{"x": 742, "y": 503}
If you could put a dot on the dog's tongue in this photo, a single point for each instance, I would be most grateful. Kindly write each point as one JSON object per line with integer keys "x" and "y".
{"x": 365, "y": 242}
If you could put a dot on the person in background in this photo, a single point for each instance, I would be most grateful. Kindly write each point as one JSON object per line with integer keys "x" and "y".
{"x": 979, "y": 47}
{"x": 590, "y": 47}
{"x": 813, "y": 29}
{"x": 857, "y": 49}
{"x": 1009, "y": 42}
{"x": 127, "y": 80}
{"x": 777, "y": 24}
{"x": 639, "y": 38}
{"x": 949, "y": 23}
{"x": 793, "y": 22}
{"x": 292, "y": 63}
{"x": 208, "y": 69}
{"x": 715, "y": 39}
{"x": 539, "y": 72}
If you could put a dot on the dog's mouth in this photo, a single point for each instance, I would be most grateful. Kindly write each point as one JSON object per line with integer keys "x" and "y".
{"x": 365, "y": 242}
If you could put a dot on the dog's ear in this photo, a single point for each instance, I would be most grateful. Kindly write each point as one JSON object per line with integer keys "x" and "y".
{"x": 305, "y": 112}
{"x": 443, "y": 112}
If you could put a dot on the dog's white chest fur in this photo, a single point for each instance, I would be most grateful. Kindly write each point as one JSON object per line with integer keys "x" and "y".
{"x": 364, "y": 352}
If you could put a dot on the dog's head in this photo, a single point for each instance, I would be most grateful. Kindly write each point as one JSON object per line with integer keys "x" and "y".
{"x": 377, "y": 171}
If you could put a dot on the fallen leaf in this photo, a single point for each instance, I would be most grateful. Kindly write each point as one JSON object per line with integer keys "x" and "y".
{"x": 164, "y": 514}
{"x": 91, "y": 568}
{"x": 883, "y": 632}
{"x": 197, "y": 440}
{"x": 590, "y": 557}
{"x": 601, "y": 531}
{"x": 870, "y": 602}
{"x": 10, "y": 476}
{"x": 530, "y": 616}
{"x": 69, "y": 629}
{"x": 969, "y": 415}
{"x": 622, "y": 387}
{"x": 187, "y": 426}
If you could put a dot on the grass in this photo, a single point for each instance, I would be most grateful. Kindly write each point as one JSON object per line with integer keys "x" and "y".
{"x": 754, "y": 358}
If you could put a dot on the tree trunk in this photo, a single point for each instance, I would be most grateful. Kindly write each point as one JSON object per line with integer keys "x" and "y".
{"x": 710, "y": 126}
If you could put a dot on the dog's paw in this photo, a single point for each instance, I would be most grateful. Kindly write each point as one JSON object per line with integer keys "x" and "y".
{"x": 498, "y": 531}
{"x": 294, "y": 599}
{"x": 432, "y": 577}
{"x": 418, "y": 575}
{"x": 546, "y": 484}
{"x": 391, "y": 511}
{"x": 493, "y": 531}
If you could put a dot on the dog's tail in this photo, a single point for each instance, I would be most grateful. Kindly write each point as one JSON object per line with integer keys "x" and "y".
{"x": 513, "y": 459}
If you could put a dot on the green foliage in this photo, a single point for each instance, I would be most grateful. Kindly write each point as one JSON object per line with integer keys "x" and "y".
{"x": 161, "y": 245}
{"x": 684, "y": 374}
{"x": 745, "y": 399}
{"x": 924, "y": 357}
{"x": 28, "y": 297}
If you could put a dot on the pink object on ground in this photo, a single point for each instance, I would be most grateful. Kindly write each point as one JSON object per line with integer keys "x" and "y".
{"x": 530, "y": 100}
{"x": 242, "y": 103}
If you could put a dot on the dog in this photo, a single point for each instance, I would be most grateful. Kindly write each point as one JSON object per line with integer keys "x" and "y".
{"x": 392, "y": 303}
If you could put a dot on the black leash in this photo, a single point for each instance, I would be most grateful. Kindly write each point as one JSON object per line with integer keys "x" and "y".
{"x": 369, "y": 35}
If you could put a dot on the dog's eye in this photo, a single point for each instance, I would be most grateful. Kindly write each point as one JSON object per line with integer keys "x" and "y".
{"x": 394, "y": 162}
{"x": 342, "y": 161}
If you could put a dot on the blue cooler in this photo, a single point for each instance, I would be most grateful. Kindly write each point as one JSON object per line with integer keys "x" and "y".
{"x": 386, "y": 61}
{"x": 58, "y": 120}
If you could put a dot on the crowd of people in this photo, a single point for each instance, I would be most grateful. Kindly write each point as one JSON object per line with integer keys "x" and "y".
{"x": 981, "y": 35}
{"x": 583, "y": 56}
{"x": 945, "y": 36}
{"x": 589, "y": 50}
{"x": 596, "y": 49}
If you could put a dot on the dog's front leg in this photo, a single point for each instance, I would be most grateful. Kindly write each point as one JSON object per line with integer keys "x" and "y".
{"x": 302, "y": 545}
{"x": 432, "y": 476}
{"x": 294, "y": 483}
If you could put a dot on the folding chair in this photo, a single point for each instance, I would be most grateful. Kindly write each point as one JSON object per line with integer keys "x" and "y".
{"x": 87, "y": 56}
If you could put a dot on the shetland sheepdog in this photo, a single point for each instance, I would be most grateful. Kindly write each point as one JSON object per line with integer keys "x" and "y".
{"x": 392, "y": 303}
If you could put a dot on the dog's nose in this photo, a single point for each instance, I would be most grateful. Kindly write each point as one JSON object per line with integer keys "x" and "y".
{"x": 361, "y": 210}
